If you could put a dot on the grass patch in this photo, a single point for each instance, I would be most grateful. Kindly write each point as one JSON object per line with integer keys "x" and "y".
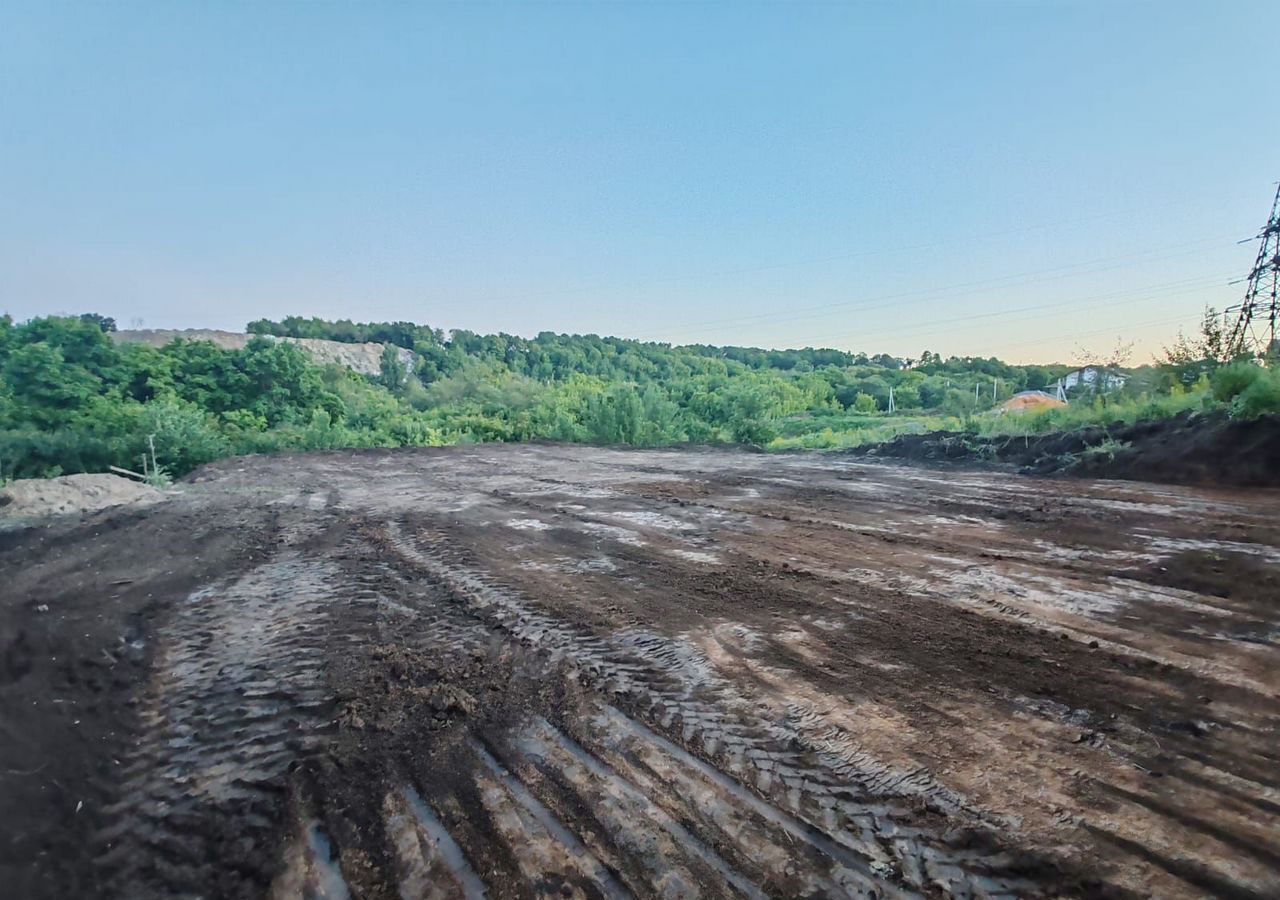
{"x": 852, "y": 429}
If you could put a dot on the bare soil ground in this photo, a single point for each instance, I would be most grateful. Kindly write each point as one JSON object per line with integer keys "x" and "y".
{"x": 565, "y": 671}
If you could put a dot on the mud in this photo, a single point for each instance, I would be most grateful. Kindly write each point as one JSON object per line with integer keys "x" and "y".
{"x": 536, "y": 671}
{"x": 1209, "y": 450}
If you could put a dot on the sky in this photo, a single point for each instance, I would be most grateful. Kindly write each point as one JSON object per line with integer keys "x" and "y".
{"x": 1031, "y": 180}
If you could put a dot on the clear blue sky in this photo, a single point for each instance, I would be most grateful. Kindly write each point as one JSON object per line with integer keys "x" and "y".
{"x": 1009, "y": 178}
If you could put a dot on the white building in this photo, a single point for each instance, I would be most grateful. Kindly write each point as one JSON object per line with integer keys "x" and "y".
{"x": 1094, "y": 377}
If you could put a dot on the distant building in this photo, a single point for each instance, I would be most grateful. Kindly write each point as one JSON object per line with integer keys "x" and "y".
{"x": 1094, "y": 377}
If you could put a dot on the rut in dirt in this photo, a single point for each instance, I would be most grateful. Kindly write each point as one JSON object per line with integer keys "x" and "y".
{"x": 476, "y": 741}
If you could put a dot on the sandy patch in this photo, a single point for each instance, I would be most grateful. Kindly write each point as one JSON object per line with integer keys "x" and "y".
{"x": 41, "y": 497}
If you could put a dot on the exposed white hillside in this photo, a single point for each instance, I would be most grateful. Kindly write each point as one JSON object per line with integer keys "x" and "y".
{"x": 363, "y": 358}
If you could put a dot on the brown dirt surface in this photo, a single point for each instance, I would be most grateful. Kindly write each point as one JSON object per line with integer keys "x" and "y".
{"x": 1207, "y": 450}
{"x": 554, "y": 671}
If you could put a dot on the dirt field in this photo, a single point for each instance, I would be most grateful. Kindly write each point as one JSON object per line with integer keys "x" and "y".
{"x": 565, "y": 671}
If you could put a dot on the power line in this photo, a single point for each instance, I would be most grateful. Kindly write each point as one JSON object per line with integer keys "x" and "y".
{"x": 955, "y": 238}
{"x": 1157, "y": 292}
{"x": 1088, "y": 267}
{"x": 1110, "y": 329}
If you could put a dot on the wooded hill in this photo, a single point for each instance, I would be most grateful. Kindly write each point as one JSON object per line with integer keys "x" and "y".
{"x": 73, "y": 400}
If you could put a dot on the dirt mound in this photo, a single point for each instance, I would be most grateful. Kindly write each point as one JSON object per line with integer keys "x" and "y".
{"x": 1186, "y": 449}
{"x": 39, "y": 497}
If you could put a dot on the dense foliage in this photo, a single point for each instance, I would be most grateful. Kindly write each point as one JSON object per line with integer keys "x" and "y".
{"x": 73, "y": 399}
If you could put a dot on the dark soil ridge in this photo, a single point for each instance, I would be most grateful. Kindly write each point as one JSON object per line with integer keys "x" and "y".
{"x": 1204, "y": 449}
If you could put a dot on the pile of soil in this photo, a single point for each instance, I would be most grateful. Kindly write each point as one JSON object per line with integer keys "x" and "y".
{"x": 34, "y": 498}
{"x": 1186, "y": 449}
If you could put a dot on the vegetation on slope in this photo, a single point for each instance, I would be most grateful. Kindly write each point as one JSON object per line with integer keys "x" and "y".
{"x": 71, "y": 400}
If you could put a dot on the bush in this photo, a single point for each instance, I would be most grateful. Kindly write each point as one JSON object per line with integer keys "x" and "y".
{"x": 1249, "y": 389}
{"x": 34, "y": 453}
{"x": 1259, "y": 398}
{"x": 751, "y": 431}
{"x": 1234, "y": 379}
{"x": 865, "y": 403}
{"x": 184, "y": 435}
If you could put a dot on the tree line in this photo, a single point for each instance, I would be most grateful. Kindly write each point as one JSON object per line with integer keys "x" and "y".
{"x": 72, "y": 399}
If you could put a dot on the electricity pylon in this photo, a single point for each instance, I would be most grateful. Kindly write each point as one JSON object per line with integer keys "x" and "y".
{"x": 1255, "y": 328}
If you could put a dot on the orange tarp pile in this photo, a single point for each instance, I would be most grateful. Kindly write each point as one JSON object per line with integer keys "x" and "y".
{"x": 1031, "y": 401}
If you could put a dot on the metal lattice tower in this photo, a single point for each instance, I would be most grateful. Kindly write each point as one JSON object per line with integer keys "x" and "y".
{"x": 1255, "y": 328}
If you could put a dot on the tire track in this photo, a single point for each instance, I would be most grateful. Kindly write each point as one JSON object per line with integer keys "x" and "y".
{"x": 603, "y": 803}
{"x": 709, "y": 713}
{"x": 238, "y": 693}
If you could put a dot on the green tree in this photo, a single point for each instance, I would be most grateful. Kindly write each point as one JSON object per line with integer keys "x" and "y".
{"x": 283, "y": 386}
{"x": 392, "y": 371}
{"x": 1191, "y": 357}
{"x": 184, "y": 435}
{"x": 907, "y": 397}
{"x": 748, "y": 423}
{"x": 103, "y": 323}
{"x": 200, "y": 373}
{"x": 47, "y": 391}
{"x": 865, "y": 403}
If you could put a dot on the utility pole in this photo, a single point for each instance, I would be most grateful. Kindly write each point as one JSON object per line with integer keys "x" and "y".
{"x": 892, "y": 406}
{"x": 1255, "y": 328}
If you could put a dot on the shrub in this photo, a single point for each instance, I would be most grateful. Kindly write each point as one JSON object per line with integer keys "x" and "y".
{"x": 1260, "y": 397}
{"x": 865, "y": 403}
{"x": 1250, "y": 389}
{"x": 184, "y": 435}
{"x": 751, "y": 431}
{"x": 1234, "y": 379}
{"x": 34, "y": 453}
{"x": 1106, "y": 449}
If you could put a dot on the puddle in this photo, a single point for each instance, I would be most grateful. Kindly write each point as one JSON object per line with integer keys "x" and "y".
{"x": 1170, "y": 546}
{"x": 444, "y": 844}
{"x": 697, "y": 556}
{"x": 329, "y": 883}
{"x": 570, "y": 565}
{"x": 528, "y": 525}
{"x": 619, "y": 534}
{"x": 654, "y": 520}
